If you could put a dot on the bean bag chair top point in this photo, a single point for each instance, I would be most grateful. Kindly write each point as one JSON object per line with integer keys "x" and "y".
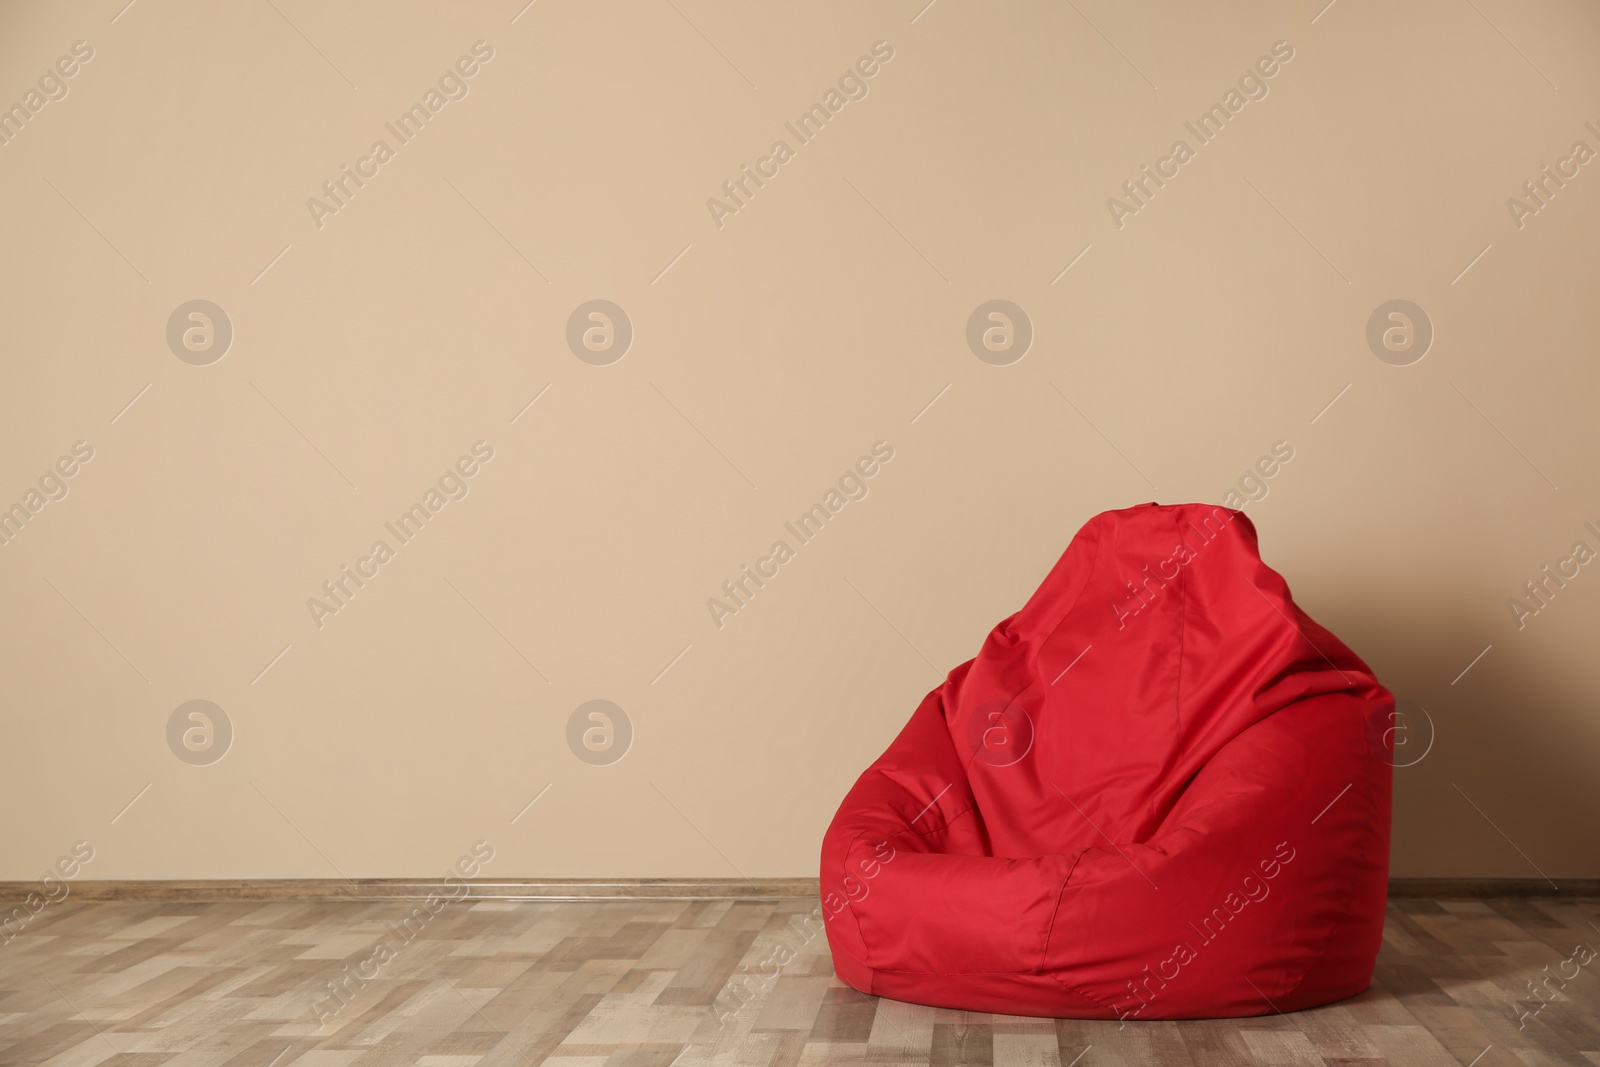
{"x": 1159, "y": 791}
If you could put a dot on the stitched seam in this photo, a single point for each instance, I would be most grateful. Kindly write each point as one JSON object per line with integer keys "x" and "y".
{"x": 1090, "y": 997}
{"x": 850, "y": 907}
{"x": 850, "y": 850}
{"x": 1044, "y": 951}
{"x": 935, "y": 830}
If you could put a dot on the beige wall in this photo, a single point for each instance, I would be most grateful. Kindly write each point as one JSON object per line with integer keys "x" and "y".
{"x": 769, "y": 354}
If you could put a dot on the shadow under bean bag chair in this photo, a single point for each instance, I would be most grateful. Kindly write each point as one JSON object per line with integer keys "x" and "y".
{"x": 1160, "y": 791}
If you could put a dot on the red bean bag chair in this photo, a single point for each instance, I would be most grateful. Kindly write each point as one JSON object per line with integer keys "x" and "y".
{"x": 1160, "y": 791}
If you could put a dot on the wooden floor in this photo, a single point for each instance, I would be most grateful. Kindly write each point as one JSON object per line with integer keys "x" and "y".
{"x": 690, "y": 982}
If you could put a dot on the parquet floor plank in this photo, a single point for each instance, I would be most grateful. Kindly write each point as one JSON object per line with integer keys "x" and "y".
{"x": 728, "y": 983}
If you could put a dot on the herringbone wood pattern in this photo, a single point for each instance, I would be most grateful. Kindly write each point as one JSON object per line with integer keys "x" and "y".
{"x": 689, "y": 982}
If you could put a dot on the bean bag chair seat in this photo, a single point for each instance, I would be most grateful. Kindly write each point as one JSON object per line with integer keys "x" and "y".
{"x": 1159, "y": 791}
